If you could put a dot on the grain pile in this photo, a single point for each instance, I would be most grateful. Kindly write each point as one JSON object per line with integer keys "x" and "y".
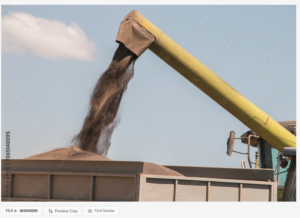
{"x": 74, "y": 153}
{"x": 154, "y": 169}
{"x": 71, "y": 153}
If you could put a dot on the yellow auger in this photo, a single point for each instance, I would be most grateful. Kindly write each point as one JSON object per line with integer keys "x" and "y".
{"x": 137, "y": 34}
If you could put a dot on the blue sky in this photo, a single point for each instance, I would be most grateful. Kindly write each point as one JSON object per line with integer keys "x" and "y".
{"x": 163, "y": 118}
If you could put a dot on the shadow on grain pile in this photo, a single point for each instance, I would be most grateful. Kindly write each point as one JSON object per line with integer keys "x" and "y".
{"x": 93, "y": 141}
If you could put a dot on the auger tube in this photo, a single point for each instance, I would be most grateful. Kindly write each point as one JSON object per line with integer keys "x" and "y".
{"x": 212, "y": 85}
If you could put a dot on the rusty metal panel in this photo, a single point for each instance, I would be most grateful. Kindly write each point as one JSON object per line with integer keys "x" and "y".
{"x": 30, "y": 186}
{"x": 158, "y": 190}
{"x": 114, "y": 189}
{"x": 70, "y": 187}
{"x": 251, "y": 192}
{"x": 191, "y": 190}
{"x": 224, "y": 191}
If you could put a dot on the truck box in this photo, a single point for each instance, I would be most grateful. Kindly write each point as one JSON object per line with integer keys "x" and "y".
{"x": 54, "y": 180}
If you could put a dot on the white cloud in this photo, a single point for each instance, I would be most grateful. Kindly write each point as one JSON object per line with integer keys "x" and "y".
{"x": 22, "y": 32}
